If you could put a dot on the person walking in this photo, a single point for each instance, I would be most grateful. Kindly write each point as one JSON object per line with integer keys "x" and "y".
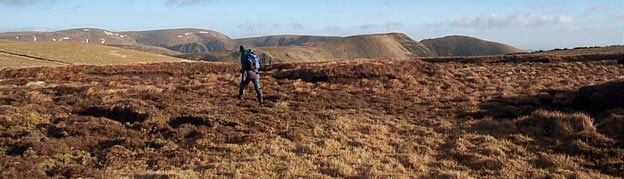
{"x": 250, "y": 66}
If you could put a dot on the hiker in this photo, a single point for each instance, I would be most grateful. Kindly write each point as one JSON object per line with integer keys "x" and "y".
{"x": 250, "y": 63}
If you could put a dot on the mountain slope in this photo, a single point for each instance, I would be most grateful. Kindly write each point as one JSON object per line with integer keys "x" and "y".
{"x": 215, "y": 46}
{"x": 149, "y": 49}
{"x": 584, "y": 50}
{"x": 16, "y": 54}
{"x": 283, "y": 40}
{"x": 393, "y": 45}
{"x": 85, "y": 35}
{"x": 467, "y": 46}
{"x": 185, "y": 40}
{"x": 181, "y": 40}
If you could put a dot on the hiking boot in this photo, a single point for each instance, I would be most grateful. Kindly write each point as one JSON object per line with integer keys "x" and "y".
{"x": 240, "y": 96}
{"x": 260, "y": 100}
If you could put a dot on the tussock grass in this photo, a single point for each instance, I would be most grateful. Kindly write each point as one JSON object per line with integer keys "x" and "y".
{"x": 359, "y": 119}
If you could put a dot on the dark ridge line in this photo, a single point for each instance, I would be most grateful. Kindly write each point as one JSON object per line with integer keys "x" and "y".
{"x": 37, "y": 58}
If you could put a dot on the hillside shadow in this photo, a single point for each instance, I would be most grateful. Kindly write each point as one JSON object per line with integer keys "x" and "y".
{"x": 517, "y": 106}
{"x": 584, "y": 123}
{"x": 592, "y": 100}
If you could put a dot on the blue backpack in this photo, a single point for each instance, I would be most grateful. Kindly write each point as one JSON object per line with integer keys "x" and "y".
{"x": 254, "y": 61}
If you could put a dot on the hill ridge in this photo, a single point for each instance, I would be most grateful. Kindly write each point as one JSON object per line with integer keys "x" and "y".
{"x": 286, "y": 47}
{"x": 459, "y": 45}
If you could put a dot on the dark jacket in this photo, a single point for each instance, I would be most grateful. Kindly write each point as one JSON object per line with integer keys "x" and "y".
{"x": 246, "y": 67}
{"x": 243, "y": 52}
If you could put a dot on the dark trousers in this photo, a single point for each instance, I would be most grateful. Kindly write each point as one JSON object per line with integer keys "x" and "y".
{"x": 244, "y": 84}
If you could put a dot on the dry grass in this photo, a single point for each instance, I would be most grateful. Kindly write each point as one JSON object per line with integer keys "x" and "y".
{"x": 14, "y": 61}
{"x": 584, "y": 51}
{"x": 149, "y": 49}
{"x": 341, "y": 119}
{"x": 72, "y": 53}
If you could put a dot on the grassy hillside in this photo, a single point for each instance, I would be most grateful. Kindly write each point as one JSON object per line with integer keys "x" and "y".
{"x": 282, "y": 40}
{"x": 14, "y": 61}
{"x": 284, "y": 48}
{"x": 233, "y": 57}
{"x": 467, "y": 46}
{"x": 342, "y": 119}
{"x": 584, "y": 50}
{"x": 185, "y": 40}
{"x": 90, "y": 35}
{"x": 149, "y": 49}
{"x": 28, "y": 54}
{"x": 181, "y": 40}
{"x": 394, "y": 45}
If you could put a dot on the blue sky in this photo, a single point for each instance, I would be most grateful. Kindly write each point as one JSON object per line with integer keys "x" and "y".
{"x": 527, "y": 24}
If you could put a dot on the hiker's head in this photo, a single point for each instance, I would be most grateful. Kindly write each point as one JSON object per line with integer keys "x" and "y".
{"x": 242, "y": 49}
{"x": 249, "y": 50}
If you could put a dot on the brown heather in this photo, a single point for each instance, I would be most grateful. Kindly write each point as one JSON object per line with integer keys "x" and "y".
{"x": 342, "y": 119}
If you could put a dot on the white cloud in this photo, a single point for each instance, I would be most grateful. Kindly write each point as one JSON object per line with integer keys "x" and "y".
{"x": 389, "y": 26}
{"x": 258, "y": 29}
{"x": 297, "y": 26}
{"x": 33, "y": 29}
{"x": 368, "y": 27}
{"x": 185, "y": 2}
{"x": 18, "y": 2}
{"x": 598, "y": 9}
{"x": 502, "y": 21}
{"x": 333, "y": 30}
{"x": 393, "y": 25}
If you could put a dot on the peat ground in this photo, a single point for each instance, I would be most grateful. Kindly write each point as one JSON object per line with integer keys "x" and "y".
{"x": 347, "y": 119}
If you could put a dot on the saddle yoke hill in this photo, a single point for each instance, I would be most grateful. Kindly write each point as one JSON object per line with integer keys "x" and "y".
{"x": 200, "y": 44}
{"x": 91, "y": 103}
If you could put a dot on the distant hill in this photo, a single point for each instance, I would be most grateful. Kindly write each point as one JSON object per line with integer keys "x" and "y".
{"x": 14, "y": 54}
{"x": 319, "y": 48}
{"x": 181, "y": 40}
{"x": 185, "y": 40}
{"x": 86, "y": 35}
{"x": 583, "y": 50}
{"x": 201, "y": 44}
{"x": 393, "y": 45}
{"x": 283, "y": 40}
{"x": 467, "y": 46}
